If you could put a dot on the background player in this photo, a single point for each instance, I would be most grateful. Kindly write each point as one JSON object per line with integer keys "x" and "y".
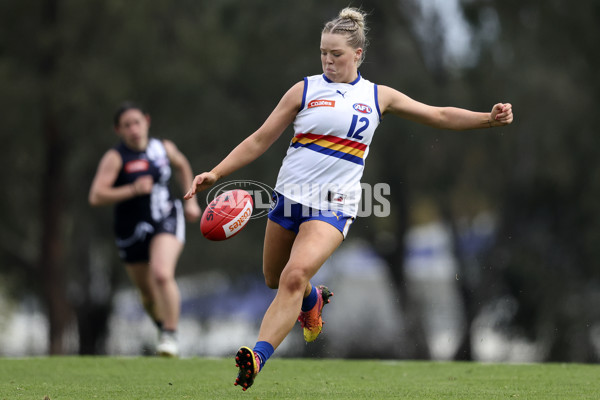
{"x": 149, "y": 224}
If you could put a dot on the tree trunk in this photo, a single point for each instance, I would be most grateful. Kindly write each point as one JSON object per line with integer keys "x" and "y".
{"x": 51, "y": 264}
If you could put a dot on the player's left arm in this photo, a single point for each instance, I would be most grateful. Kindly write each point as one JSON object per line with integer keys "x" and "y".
{"x": 397, "y": 103}
{"x": 183, "y": 175}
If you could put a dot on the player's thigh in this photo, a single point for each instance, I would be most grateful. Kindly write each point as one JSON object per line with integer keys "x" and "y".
{"x": 315, "y": 243}
{"x": 276, "y": 252}
{"x": 165, "y": 249}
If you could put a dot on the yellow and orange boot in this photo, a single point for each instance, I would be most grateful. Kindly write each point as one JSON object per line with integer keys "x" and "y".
{"x": 311, "y": 321}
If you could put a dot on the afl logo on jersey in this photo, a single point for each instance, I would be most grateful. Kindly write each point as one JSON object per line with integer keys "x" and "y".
{"x": 362, "y": 108}
{"x": 136, "y": 166}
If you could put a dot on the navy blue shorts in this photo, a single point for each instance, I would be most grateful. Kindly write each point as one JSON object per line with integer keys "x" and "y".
{"x": 136, "y": 247}
{"x": 290, "y": 215}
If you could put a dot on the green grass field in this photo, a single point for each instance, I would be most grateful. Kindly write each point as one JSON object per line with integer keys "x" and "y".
{"x": 84, "y": 378}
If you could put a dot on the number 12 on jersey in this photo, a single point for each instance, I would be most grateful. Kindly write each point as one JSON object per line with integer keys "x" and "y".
{"x": 355, "y": 133}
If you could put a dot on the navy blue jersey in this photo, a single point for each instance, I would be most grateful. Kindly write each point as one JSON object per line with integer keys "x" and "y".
{"x": 151, "y": 208}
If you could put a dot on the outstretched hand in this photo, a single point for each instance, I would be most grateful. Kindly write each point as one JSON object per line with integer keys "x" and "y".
{"x": 502, "y": 113}
{"x": 201, "y": 182}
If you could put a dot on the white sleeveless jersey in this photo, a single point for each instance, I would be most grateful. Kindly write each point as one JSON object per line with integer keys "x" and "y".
{"x": 333, "y": 130}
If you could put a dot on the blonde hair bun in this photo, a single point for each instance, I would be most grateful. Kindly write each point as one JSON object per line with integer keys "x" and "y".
{"x": 354, "y": 14}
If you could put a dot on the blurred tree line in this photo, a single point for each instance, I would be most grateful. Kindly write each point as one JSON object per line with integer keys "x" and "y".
{"x": 210, "y": 72}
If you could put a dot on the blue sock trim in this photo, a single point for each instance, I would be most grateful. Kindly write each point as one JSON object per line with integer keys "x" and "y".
{"x": 309, "y": 302}
{"x": 264, "y": 350}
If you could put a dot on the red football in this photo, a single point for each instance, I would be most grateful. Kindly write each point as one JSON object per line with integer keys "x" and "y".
{"x": 226, "y": 215}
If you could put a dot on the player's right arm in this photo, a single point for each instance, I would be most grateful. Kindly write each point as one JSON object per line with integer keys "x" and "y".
{"x": 257, "y": 143}
{"x": 102, "y": 191}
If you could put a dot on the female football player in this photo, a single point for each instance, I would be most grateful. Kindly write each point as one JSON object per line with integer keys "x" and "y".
{"x": 318, "y": 188}
{"x": 149, "y": 223}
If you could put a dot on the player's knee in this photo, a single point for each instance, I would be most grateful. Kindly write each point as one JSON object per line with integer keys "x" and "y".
{"x": 161, "y": 276}
{"x": 294, "y": 279}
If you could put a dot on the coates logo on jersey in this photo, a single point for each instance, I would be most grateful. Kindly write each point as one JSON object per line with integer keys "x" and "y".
{"x": 321, "y": 103}
{"x": 362, "y": 108}
{"x": 136, "y": 166}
